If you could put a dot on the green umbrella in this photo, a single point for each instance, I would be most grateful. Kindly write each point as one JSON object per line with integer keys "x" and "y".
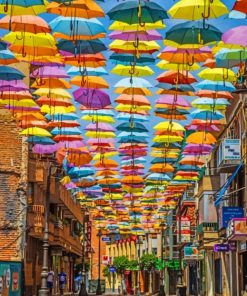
{"x": 193, "y": 33}
{"x": 134, "y": 12}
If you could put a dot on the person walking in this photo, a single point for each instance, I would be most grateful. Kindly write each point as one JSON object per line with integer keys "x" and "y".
{"x": 62, "y": 278}
{"x": 50, "y": 281}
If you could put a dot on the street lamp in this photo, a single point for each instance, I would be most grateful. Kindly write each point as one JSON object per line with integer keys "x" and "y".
{"x": 98, "y": 290}
{"x": 162, "y": 286}
{"x": 138, "y": 288}
{"x": 44, "y": 272}
{"x": 83, "y": 290}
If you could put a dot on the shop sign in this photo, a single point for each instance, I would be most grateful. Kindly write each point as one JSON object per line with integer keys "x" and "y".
{"x": 221, "y": 248}
{"x": 172, "y": 264}
{"x": 229, "y": 149}
{"x": 105, "y": 259}
{"x": 228, "y": 213}
{"x": 192, "y": 253}
{"x": 89, "y": 238}
{"x": 185, "y": 229}
{"x": 112, "y": 269}
{"x": 10, "y": 278}
{"x": 237, "y": 229}
{"x": 106, "y": 239}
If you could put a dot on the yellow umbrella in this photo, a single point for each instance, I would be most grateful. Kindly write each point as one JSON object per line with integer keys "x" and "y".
{"x": 121, "y": 26}
{"x": 169, "y": 126}
{"x": 218, "y": 74}
{"x": 97, "y": 134}
{"x": 57, "y": 109}
{"x": 133, "y": 90}
{"x": 29, "y": 39}
{"x": 53, "y": 93}
{"x": 35, "y": 131}
{"x": 98, "y": 156}
{"x": 98, "y": 118}
{"x": 144, "y": 46}
{"x": 22, "y": 10}
{"x": 166, "y": 65}
{"x": 195, "y": 10}
{"x": 129, "y": 108}
{"x": 136, "y": 71}
{"x": 22, "y": 103}
{"x": 167, "y": 139}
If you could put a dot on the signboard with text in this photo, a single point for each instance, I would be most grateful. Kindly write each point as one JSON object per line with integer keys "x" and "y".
{"x": 228, "y": 213}
{"x": 185, "y": 229}
{"x": 192, "y": 253}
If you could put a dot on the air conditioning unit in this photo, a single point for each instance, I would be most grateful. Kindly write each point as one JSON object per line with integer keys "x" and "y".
{"x": 229, "y": 154}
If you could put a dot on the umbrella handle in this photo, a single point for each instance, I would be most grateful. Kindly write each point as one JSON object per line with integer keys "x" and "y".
{"x": 192, "y": 61}
{"x": 20, "y": 38}
{"x": 6, "y": 6}
{"x": 205, "y": 26}
{"x": 132, "y": 70}
{"x": 23, "y": 53}
{"x": 136, "y": 43}
{"x": 41, "y": 82}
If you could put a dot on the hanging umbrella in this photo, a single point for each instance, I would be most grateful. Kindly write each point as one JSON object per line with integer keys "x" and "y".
{"x": 76, "y": 27}
{"x": 240, "y": 5}
{"x": 209, "y": 103}
{"x": 35, "y": 131}
{"x": 49, "y": 72}
{"x": 120, "y": 46}
{"x": 76, "y": 8}
{"x": 76, "y": 71}
{"x": 135, "y": 82}
{"x": 7, "y": 57}
{"x": 236, "y": 35}
{"x": 193, "y": 33}
{"x": 24, "y": 23}
{"x": 166, "y": 65}
{"x": 19, "y": 7}
{"x": 126, "y": 59}
{"x": 137, "y": 71}
{"x": 176, "y": 77}
{"x": 133, "y": 12}
{"x": 9, "y": 73}
{"x": 51, "y": 83}
{"x": 173, "y": 100}
{"x": 141, "y": 35}
{"x": 93, "y": 82}
{"x": 169, "y": 126}
{"x": 201, "y": 138}
{"x": 186, "y": 9}
{"x": 81, "y": 46}
{"x": 218, "y": 74}
{"x": 123, "y": 26}
{"x": 214, "y": 94}
{"x": 215, "y": 86}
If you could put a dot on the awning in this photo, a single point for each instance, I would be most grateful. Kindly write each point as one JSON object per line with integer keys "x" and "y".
{"x": 223, "y": 189}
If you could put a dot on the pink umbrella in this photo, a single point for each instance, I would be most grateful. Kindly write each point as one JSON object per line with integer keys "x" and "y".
{"x": 236, "y": 35}
{"x": 13, "y": 85}
{"x": 204, "y": 49}
{"x": 211, "y": 128}
{"x": 70, "y": 144}
{"x": 173, "y": 100}
{"x": 132, "y": 36}
{"x": 100, "y": 127}
{"x": 49, "y": 72}
{"x": 44, "y": 149}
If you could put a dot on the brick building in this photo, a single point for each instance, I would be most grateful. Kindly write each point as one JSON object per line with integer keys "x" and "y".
{"x": 23, "y": 185}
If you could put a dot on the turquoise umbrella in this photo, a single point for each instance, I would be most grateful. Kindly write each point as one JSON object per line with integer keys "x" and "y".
{"x": 9, "y": 73}
{"x": 126, "y": 59}
{"x": 40, "y": 140}
{"x": 81, "y": 46}
{"x": 206, "y": 115}
{"x": 132, "y": 13}
{"x": 193, "y": 33}
{"x": 66, "y": 131}
{"x": 132, "y": 117}
{"x": 62, "y": 117}
{"x": 215, "y": 86}
{"x": 76, "y": 71}
{"x": 77, "y": 26}
{"x": 134, "y": 82}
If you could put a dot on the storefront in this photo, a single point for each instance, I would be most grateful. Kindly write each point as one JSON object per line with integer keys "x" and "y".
{"x": 10, "y": 278}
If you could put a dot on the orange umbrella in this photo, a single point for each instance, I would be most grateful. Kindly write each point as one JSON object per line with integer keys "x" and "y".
{"x": 174, "y": 92}
{"x": 106, "y": 163}
{"x": 184, "y": 58}
{"x": 25, "y": 123}
{"x": 33, "y": 51}
{"x": 53, "y": 101}
{"x": 77, "y": 8}
{"x": 132, "y": 90}
{"x": 29, "y": 116}
{"x": 138, "y": 100}
{"x": 51, "y": 83}
{"x": 192, "y": 160}
{"x": 79, "y": 159}
{"x": 214, "y": 94}
{"x": 24, "y": 23}
{"x": 187, "y": 173}
{"x": 61, "y": 124}
{"x": 106, "y": 173}
{"x": 132, "y": 179}
{"x": 15, "y": 95}
{"x": 89, "y": 82}
{"x": 108, "y": 181}
{"x": 68, "y": 138}
{"x": 176, "y": 77}
{"x": 210, "y": 63}
{"x": 201, "y": 138}
{"x": 162, "y": 168}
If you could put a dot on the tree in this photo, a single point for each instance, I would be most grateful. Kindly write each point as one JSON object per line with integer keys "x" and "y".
{"x": 121, "y": 264}
{"x": 106, "y": 271}
{"x": 148, "y": 262}
{"x": 133, "y": 265}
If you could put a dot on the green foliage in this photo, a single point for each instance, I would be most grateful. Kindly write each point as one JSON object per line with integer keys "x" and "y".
{"x": 148, "y": 261}
{"x": 121, "y": 264}
{"x": 106, "y": 271}
{"x": 133, "y": 265}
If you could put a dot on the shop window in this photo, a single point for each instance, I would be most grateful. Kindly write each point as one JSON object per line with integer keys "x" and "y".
{"x": 218, "y": 276}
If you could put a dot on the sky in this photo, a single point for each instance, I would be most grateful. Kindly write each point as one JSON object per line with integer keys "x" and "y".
{"x": 223, "y": 23}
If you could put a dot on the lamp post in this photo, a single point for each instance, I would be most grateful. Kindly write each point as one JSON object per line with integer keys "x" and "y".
{"x": 44, "y": 272}
{"x": 98, "y": 290}
{"x": 162, "y": 286}
{"x": 138, "y": 288}
{"x": 83, "y": 290}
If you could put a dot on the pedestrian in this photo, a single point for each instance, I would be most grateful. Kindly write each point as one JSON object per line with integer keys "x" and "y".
{"x": 50, "y": 280}
{"x": 62, "y": 278}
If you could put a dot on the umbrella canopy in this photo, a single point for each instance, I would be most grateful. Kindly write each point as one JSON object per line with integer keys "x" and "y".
{"x": 132, "y": 12}
{"x": 201, "y": 138}
{"x": 236, "y": 35}
{"x": 9, "y": 73}
{"x": 218, "y": 74}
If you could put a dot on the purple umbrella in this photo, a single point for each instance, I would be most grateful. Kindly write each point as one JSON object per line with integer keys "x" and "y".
{"x": 100, "y": 127}
{"x": 173, "y": 100}
{"x": 92, "y": 98}
{"x": 100, "y": 141}
{"x": 236, "y": 35}
{"x": 197, "y": 147}
{"x": 70, "y": 144}
{"x": 13, "y": 85}
{"x": 150, "y": 35}
{"x": 211, "y": 128}
{"x": 49, "y": 72}
{"x": 44, "y": 149}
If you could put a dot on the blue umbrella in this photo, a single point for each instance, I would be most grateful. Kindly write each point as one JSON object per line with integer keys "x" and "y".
{"x": 76, "y": 71}
{"x": 179, "y": 87}
{"x": 66, "y": 131}
{"x": 207, "y": 115}
{"x": 62, "y": 117}
{"x": 134, "y": 134}
{"x": 81, "y": 46}
{"x": 132, "y": 117}
{"x": 135, "y": 82}
{"x": 76, "y": 172}
{"x": 40, "y": 140}
{"x": 158, "y": 177}
{"x": 215, "y": 86}
{"x": 9, "y": 73}
{"x": 126, "y": 59}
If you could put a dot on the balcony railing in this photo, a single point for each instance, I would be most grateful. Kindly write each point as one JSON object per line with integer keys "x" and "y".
{"x": 207, "y": 227}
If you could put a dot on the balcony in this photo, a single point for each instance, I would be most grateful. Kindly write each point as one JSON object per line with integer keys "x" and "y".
{"x": 66, "y": 240}
{"x": 207, "y": 234}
